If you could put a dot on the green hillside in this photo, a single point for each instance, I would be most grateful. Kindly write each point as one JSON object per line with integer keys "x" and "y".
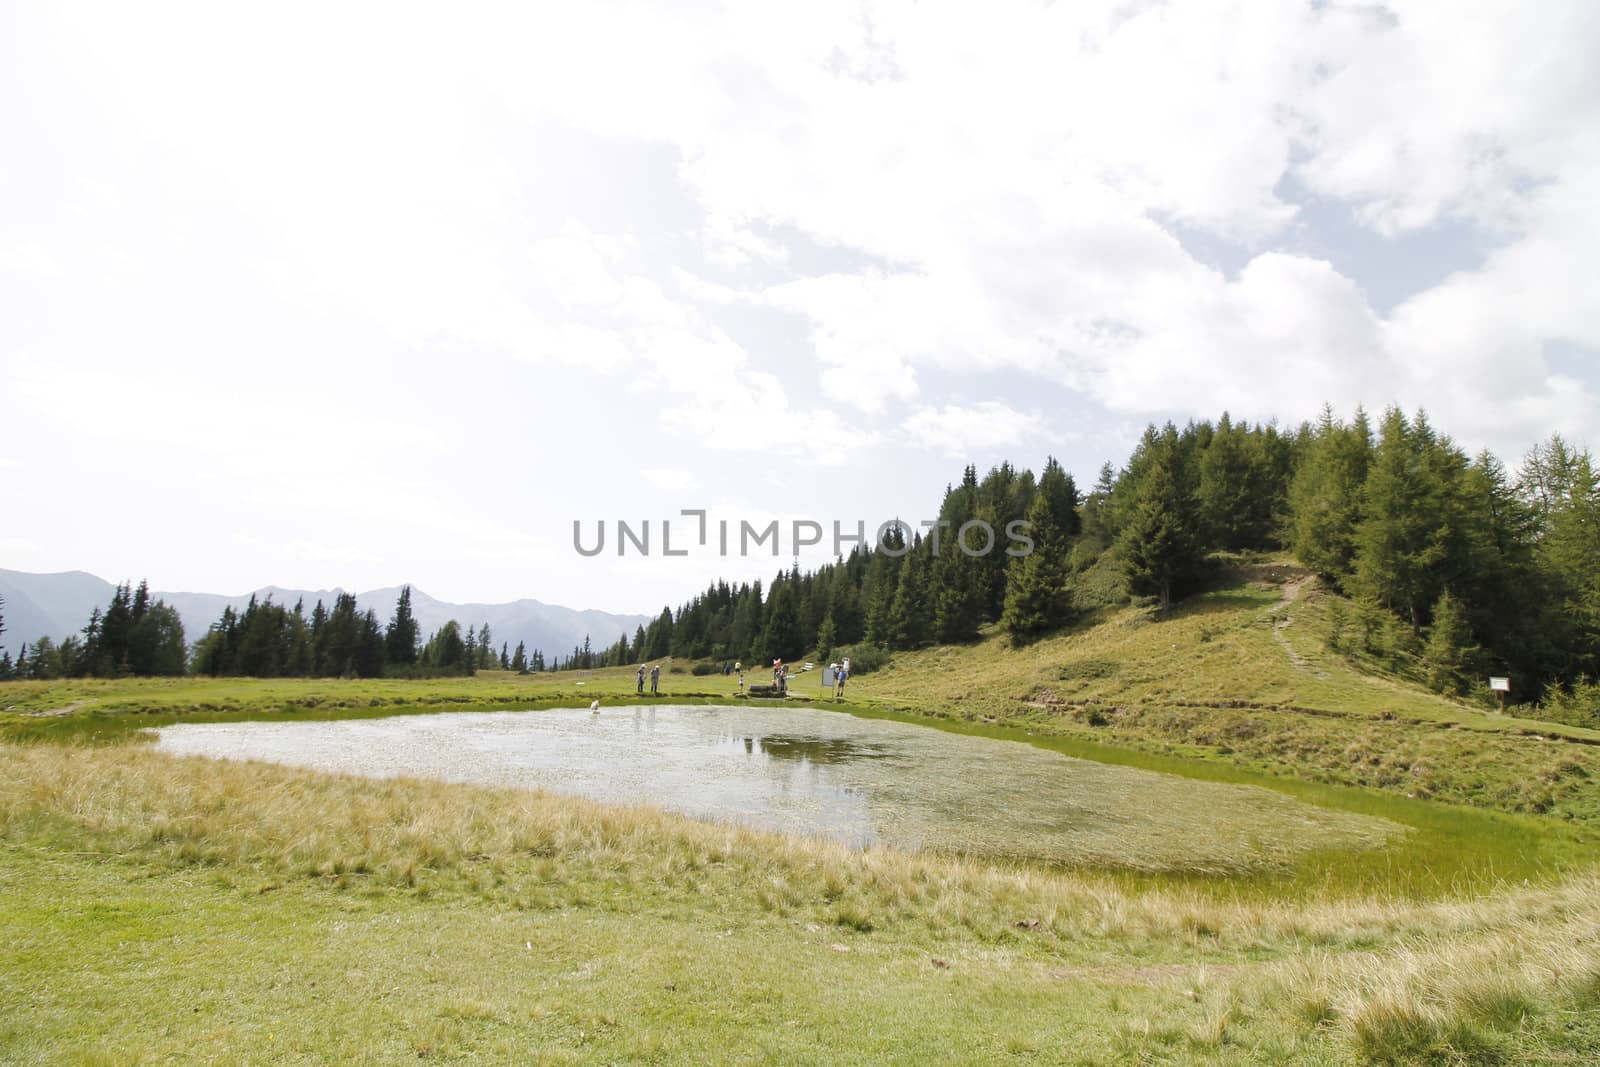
{"x": 337, "y": 919}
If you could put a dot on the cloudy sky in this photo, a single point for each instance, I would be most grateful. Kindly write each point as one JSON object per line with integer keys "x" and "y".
{"x": 352, "y": 295}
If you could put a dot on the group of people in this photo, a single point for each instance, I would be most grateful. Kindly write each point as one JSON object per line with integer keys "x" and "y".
{"x": 655, "y": 678}
{"x": 780, "y": 676}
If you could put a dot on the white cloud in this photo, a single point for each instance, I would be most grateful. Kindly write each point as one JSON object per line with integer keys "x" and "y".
{"x": 668, "y": 478}
{"x": 983, "y": 427}
{"x": 800, "y": 230}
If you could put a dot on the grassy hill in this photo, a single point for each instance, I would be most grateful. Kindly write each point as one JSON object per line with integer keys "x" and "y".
{"x": 1247, "y": 674}
{"x": 162, "y": 908}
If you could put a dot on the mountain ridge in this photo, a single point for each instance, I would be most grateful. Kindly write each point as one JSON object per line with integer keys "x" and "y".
{"x": 59, "y": 603}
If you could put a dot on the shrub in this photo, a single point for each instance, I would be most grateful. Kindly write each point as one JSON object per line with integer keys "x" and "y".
{"x": 864, "y": 658}
{"x": 700, "y": 670}
{"x": 1577, "y": 706}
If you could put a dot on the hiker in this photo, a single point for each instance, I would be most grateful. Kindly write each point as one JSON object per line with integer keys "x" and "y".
{"x": 655, "y": 678}
{"x": 780, "y": 678}
{"x": 739, "y": 669}
{"x": 839, "y": 676}
{"x": 641, "y": 679}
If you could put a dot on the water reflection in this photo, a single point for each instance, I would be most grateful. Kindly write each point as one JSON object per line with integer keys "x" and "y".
{"x": 805, "y": 771}
{"x": 805, "y": 749}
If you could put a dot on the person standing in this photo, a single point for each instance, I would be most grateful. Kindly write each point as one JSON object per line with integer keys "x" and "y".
{"x": 739, "y": 667}
{"x": 655, "y": 679}
{"x": 641, "y": 679}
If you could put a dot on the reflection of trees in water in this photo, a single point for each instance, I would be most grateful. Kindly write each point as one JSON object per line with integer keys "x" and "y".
{"x": 827, "y": 750}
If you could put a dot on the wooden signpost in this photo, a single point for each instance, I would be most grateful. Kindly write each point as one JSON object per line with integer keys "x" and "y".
{"x": 1501, "y": 687}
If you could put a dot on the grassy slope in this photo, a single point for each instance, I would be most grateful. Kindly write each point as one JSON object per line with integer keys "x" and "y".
{"x": 181, "y": 909}
{"x": 1244, "y": 675}
{"x": 400, "y": 923}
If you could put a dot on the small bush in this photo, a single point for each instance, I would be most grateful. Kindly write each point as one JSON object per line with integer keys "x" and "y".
{"x": 700, "y": 670}
{"x": 1577, "y": 706}
{"x": 1338, "y": 622}
{"x": 1101, "y": 584}
{"x": 864, "y": 658}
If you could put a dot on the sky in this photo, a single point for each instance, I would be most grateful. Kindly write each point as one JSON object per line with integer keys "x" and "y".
{"x": 359, "y": 294}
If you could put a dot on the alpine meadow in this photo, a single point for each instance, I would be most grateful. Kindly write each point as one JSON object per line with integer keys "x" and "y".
{"x": 1061, "y": 533}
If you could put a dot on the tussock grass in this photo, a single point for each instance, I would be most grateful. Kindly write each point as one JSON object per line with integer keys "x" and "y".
{"x": 454, "y": 881}
{"x": 1440, "y": 996}
{"x": 542, "y": 850}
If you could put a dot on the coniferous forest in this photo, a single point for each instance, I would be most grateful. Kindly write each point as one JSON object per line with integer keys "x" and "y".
{"x": 1476, "y": 567}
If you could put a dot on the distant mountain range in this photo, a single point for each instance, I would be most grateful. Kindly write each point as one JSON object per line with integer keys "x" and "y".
{"x": 60, "y": 604}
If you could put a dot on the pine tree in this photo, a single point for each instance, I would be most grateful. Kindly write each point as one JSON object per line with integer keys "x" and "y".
{"x": 400, "y": 640}
{"x": 827, "y": 636}
{"x": 1036, "y": 593}
{"x": 910, "y": 614}
{"x": 341, "y": 638}
{"x": 1326, "y": 497}
{"x": 1160, "y": 545}
{"x": 1449, "y": 652}
{"x": 658, "y": 639}
{"x": 781, "y": 638}
{"x": 46, "y": 661}
{"x": 957, "y": 587}
{"x": 159, "y": 640}
{"x": 519, "y": 659}
{"x": 1568, "y": 559}
{"x": 370, "y": 646}
{"x": 111, "y": 653}
{"x": 1401, "y": 542}
{"x": 1100, "y": 529}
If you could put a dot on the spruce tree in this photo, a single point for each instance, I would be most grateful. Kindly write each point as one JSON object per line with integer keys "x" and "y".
{"x": 956, "y": 589}
{"x": 1160, "y": 544}
{"x": 910, "y": 614}
{"x": 658, "y": 639}
{"x": 401, "y": 638}
{"x": 827, "y": 636}
{"x": 781, "y": 638}
{"x": 1449, "y": 652}
{"x": 1036, "y": 585}
{"x": 1327, "y": 494}
{"x": 1400, "y": 540}
{"x": 1100, "y": 529}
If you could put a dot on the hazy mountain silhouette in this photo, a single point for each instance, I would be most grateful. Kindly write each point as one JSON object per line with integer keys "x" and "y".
{"x": 59, "y": 604}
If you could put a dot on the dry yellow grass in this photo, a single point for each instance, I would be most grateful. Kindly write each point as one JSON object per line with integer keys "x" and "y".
{"x": 1206, "y": 978}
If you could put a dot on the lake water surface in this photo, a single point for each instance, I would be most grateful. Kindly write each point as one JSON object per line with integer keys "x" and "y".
{"x": 805, "y": 771}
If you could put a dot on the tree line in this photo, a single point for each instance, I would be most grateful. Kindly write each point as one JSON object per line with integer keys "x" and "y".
{"x": 1473, "y": 568}
{"x": 1468, "y": 565}
{"x": 135, "y": 636}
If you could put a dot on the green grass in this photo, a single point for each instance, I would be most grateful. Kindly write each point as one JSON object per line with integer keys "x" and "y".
{"x": 160, "y": 909}
{"x": 1244, "y": 676}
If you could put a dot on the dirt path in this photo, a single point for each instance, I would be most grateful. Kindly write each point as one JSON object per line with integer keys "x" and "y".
{"x": 56, "y": 712}
{"x": 1282, "y": 619}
